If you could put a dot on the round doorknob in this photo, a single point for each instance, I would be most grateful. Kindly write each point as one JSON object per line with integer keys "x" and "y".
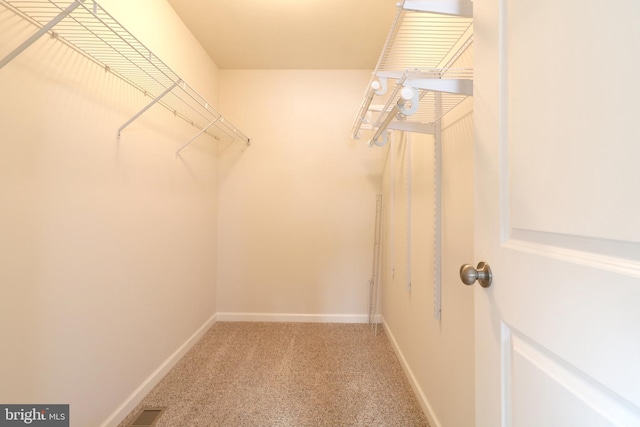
{"x": 482, "y": 274}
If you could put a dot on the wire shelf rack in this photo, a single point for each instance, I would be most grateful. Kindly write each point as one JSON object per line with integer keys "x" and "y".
{"x": 428, "y": 49}
{"x": 92, "y": 31}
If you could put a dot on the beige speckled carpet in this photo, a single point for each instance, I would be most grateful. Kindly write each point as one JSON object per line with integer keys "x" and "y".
{"x": 286, "y": 374}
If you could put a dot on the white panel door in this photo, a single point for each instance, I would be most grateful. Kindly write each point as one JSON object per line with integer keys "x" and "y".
{"x": 557, "y": 149}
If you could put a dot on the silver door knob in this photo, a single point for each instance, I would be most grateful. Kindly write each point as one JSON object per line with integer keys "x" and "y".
{"x": 482, "y": 274}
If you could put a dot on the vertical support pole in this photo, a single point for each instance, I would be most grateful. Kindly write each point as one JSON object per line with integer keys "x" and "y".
{"x": 149, "y": 105}
{"x": 409, "y": 172}
{"x": 374, "y": 283}
{"x": 437, "y": 210}
{"x": 392, "y": 222}
{"x": 42, "y": 31}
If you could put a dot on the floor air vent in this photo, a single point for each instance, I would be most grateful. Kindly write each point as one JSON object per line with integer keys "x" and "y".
{"x": 147, "y": 417}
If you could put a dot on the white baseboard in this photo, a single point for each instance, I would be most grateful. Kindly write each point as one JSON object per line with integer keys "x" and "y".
{"x": 136, "y": 397}
{"x": 422, "y": 398}
{"x": 288, "y": 317}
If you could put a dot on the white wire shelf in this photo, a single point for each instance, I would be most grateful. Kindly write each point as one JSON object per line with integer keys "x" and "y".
{"x": 424, "y": 71}
{"x": 89, "y": 29}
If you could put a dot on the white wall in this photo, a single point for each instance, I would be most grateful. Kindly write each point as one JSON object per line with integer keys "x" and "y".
{"x": 438, "y": 355}
{"x": 297, "y": 208}
{"x": 108, "y": 248}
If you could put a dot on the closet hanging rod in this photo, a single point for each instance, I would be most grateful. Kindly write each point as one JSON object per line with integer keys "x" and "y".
{"x": 93, "y": 32}
{"x": 407, "y": 94}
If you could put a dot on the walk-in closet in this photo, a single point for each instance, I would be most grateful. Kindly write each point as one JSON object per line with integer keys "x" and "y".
{"x": 305, "y": 213}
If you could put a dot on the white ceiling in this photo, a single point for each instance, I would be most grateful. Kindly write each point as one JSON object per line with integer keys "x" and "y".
{"x": 289, "y": 34}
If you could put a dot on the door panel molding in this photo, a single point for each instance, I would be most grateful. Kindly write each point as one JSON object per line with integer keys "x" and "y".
{"x": 527, "y": 365}
{"x": 602, "y": 262}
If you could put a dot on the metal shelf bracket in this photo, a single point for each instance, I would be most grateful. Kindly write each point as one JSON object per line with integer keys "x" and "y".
{"x": 149, "y": 105}
{"x": 203, "y": 130}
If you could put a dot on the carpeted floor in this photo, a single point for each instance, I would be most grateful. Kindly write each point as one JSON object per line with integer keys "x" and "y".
{"x": 286, "y": 374}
